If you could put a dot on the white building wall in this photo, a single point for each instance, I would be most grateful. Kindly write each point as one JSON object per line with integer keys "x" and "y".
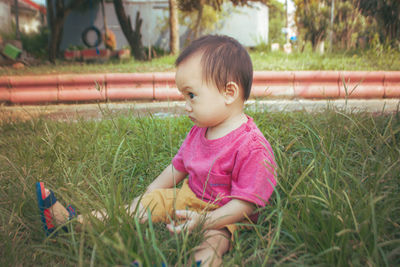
{"x": 247, "y": 24}
{"x": 5, "y": 16}
{"x": 151, "y": 13}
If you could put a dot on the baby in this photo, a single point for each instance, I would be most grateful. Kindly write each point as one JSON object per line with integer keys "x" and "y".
{"x": 229, "y": 165}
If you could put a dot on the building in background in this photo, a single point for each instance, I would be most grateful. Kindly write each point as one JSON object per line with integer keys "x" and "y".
{"x": 5, "y": 16}
{"x": 247, "y": 24}
{"x": 31, "y": 16}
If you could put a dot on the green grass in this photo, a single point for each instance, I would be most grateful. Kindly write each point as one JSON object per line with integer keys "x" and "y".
{"x": 359, "y": 60}
{"x": 278, "y": 61}
{"x": 337, "y": 202}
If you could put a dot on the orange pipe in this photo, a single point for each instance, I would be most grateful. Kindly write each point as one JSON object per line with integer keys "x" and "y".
{"x": 122, "y": 86}
{"x": 316, "y": 84}
{"x": 165, "y": 87}
{"x": 355, "y": 84}
{"x": 391, "y": 85}
{"x": 273, "y": 84}
{"x": 73, "y": 88}
{"x": 33, "y": 89}
{"x": 161, "y": 86}
{"x": 5, "y": 92}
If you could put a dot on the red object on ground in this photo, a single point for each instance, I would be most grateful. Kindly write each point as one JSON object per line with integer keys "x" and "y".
{"x": 316, "y": 84}
{"x": 161, "y": 86}
{"x": 391, "y": 85}
{"x": 273, "y": 84}
{"x": 89, "y": 87}
{"x": 72, "y": 55}
{"x": 355, "y": 84}
{"x": 88, "y": 54}
{"x": 133, "y": 86}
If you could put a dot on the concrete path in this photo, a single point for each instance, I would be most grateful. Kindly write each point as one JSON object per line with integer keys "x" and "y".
{"x": 73, "y": 112}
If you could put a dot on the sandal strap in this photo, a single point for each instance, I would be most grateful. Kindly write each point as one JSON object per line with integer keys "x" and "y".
{"x": 72, "y": 211}
{"x": 49, "y": 201}
{"x": 72, "y": 214}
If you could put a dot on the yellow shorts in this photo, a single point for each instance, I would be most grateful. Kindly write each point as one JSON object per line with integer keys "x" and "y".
{"x": 163, "y": 202}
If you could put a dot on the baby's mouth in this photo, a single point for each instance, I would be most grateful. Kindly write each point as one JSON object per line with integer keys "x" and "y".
{"x": 192, "y": 119}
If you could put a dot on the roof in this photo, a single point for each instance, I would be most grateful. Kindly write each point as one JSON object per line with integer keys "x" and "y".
{"x": 28, "y": 5}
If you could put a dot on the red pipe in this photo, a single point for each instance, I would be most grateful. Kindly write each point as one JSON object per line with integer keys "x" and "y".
{"x": 121, "y": 86}
{"x": 355, "y": 84}
{"x": 316, "y": 84}
{"x": 161, "y": 86}
{"x": 165, "y": 87}
{"x": 33, "y": 89}
{"x": 391, "y": 85}
{"x": 90, "y": 87}
{"x": 273, "y": 84}
{"x": 5, "y": 92}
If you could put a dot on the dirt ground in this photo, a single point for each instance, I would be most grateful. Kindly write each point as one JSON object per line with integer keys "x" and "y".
{"x": 74, "y": 112}
{"x": 98, "y": 111}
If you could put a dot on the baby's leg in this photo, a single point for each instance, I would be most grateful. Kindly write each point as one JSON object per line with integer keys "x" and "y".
{"x": 138, "y": 210}
{"x": 61, "y": 215}
{"x": 215, "y": 244}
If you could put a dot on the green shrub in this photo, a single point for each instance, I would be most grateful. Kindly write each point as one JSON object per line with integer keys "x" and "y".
{"x": 36, "y": 43}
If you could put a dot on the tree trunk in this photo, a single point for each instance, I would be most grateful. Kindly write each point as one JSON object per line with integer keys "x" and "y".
{"x": 197, "y": 26}
{"x": 56, "y": 19}
{"x": 55, "y": 40}
{"x": 134, "y": 37}
{"x": 174, "y": 27}
{"x": 56, "y": 23}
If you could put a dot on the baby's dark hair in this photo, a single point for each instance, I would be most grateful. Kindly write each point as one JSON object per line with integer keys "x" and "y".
{"x": 224, "y": 60}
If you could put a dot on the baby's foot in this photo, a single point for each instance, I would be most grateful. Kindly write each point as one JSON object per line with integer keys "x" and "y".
{"x": 58, "y": 212}
{"x": 61, "y": 214}
{"x": 101, "y": 215}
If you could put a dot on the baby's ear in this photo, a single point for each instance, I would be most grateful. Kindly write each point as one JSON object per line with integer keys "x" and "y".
{"x": 231, "y": 92}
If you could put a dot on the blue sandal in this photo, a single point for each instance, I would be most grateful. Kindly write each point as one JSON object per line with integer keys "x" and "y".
{"x": 45, "y": 204}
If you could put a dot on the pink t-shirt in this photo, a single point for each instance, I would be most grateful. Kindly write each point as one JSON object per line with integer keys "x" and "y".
{"x": 239, "y": 165}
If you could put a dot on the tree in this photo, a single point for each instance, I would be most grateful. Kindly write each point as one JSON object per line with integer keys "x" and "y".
{"x": 134, "y": 37}
{"x": 174, "y": 27}
{"x": 349, "y": 24}
{"x": 201, "y": 7}
{"x": 56, "y": 17}
{"x": 276, "y": 22}
{"x": 201, "y": 22}
{"x": 312, "y": 20}
{"x": 387, "y": 15}
{"x": 355, "y": 21}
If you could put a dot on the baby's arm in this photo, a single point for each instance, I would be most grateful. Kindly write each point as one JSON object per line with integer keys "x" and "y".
{"x": 234, "y": 211}
{"x": 167, "y": 179}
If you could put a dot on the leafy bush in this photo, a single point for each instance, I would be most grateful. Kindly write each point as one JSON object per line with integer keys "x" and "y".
{"x": 36, "y": 43}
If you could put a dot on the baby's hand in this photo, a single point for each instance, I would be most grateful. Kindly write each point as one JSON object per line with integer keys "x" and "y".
{"x": 190, "y": 218}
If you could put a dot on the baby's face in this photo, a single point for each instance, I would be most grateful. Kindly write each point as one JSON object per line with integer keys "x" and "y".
{"x": 205, "y": 104}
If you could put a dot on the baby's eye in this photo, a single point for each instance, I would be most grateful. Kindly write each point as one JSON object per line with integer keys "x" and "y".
{"x": 191, "y": 95}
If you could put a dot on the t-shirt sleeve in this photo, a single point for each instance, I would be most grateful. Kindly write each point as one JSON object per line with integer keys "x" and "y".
{"x": 177, "y": 161}
{"x": 254, "y": 177}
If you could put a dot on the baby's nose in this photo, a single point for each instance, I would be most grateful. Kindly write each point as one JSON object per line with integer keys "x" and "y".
{"x": 188, "y": 108}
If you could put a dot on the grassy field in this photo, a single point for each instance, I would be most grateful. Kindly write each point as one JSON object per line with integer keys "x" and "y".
{"x": 337, "y": 202}
{"x": 357, "y": 60}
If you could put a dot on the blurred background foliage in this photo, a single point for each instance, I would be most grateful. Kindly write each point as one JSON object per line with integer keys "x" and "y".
{"x": 349, "y": 24}
{"x": 371, "y": 26}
